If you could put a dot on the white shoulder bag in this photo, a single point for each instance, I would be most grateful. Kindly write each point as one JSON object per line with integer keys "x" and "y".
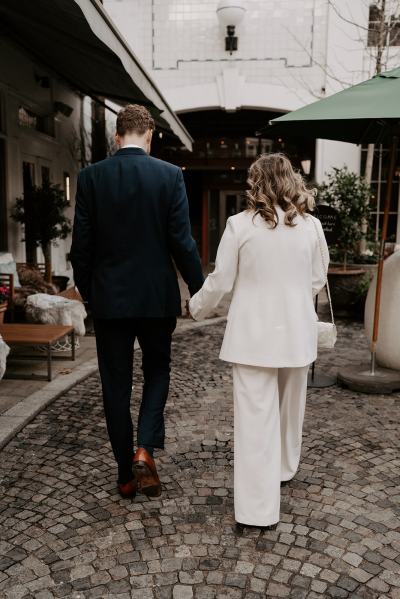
{"x": 327, "y": 332}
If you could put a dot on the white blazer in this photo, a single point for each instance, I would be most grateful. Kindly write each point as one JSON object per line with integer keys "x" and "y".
{"x": 275, "y": 275}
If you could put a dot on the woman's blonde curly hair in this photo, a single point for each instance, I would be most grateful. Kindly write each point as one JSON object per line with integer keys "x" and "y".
{"x": 273, "y": 181}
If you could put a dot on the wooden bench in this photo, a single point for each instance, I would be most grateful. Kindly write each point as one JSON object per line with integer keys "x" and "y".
{"x": 37, "y": 335}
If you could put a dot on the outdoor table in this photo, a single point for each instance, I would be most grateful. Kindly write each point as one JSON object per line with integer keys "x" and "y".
{"x": 37, "y": 335}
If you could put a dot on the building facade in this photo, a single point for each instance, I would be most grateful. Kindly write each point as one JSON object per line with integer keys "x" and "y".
{"x": 37, "y": 142}
{"x": 63, "y": 69}
{"x": 289, "y": 53}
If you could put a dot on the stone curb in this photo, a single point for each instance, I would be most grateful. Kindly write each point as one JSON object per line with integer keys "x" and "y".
{"x": 12, "y": 421}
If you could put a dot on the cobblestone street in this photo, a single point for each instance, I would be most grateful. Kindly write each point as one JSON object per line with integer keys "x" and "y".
{"x": 65, "y": 532}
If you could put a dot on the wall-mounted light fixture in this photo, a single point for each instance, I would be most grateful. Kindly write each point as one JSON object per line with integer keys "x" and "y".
{"x": 306, "y": 166}
{"x": 67, "y": 187}
{"x": 230, "y": 13}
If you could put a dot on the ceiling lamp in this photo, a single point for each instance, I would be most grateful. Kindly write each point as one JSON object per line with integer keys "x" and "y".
{"x": 230, "y": 13}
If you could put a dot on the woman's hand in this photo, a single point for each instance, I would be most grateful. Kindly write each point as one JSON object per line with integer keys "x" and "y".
{"x": 188, "y": 314}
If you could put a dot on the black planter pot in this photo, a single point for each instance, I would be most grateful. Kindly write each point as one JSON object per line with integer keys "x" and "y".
{"x": 349, "y": 288}
{"x": 60, "y": 282}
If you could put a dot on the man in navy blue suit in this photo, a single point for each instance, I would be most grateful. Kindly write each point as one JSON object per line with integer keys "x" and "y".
{"x": 131, "y": 225}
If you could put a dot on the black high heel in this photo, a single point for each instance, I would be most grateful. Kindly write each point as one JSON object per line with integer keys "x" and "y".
{"x": 240, "y": 527}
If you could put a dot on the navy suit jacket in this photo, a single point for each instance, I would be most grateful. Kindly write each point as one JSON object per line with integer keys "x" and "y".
{"x": 131, "y": 222}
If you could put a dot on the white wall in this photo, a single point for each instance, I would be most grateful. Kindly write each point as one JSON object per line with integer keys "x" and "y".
{"x": 183, "y": 46}
{"x": 291, "y": 52}
{"x": 334, "y": 154}
{"x": 343, "y": 66}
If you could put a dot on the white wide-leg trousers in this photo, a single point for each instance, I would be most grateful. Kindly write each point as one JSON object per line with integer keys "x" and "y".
{"x": 269, "y": 406}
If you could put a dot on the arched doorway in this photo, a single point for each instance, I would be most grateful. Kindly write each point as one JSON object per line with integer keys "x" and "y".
{"x": 225, "y": 144}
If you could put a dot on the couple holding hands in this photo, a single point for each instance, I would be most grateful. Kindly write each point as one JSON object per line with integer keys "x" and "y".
{"x": 131, "y": 225}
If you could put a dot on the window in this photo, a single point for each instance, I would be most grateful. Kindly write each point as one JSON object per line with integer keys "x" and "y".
{"x": 394, "y": 33}
{"x": 45, "y": 174}
{"x": 378, "y": 184}
{"x": 251, "y": 147}
{"x": 26, "y": 118}
{"x": 3, "y": 202}
{"x": 28, "y": 173}
{"x": 30, "y": 120}
{"x": 2, "y": 117}
{"x": 374, "y": 24}
{"x": 266, "y": 146}
{"x": 391, "y": 28}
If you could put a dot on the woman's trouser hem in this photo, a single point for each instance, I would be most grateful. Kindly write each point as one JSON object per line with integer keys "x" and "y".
{"x": 251, "y": 522}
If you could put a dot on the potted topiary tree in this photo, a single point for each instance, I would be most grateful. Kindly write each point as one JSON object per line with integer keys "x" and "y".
{"x": 47, "y": 218}
{"x": 349, "y": 274}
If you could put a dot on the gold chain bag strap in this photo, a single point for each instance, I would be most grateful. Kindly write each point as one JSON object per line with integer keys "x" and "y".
{"x": 327, "y": 332}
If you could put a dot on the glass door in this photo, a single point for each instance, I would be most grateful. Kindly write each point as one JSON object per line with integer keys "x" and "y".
{"x": 44, "y": 170}
{"x": 3, "y": 200}
{"x": 222, "y": 205}
{"x": 230, "y": 203}
{"x": 28, "y": 178}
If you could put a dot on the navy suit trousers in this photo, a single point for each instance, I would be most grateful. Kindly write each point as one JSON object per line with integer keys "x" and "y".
{"x": 115, "y": 340}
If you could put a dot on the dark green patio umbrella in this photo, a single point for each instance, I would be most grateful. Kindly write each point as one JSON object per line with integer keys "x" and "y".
{"x": 365, "y": 113}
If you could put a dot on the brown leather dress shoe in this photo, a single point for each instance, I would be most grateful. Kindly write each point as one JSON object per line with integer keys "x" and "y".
{"x": 128, "y": 490}
{"x": 146, "y": 472}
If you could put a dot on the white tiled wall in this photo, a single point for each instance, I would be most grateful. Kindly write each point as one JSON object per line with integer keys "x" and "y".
{"x": 269, "y": 32}
{"x": 134, "y": 20}
{"x": 302, "y": 46}
{"x": 181, "y": 42}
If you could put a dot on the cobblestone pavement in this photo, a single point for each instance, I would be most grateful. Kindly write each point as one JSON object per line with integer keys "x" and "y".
{"x": 66, "y": 533}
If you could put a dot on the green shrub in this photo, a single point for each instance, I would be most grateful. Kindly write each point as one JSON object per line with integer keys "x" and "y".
{"x": 350, "y": 195}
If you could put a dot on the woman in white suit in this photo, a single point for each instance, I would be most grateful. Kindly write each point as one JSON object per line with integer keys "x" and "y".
{"x": 271, "y": 256}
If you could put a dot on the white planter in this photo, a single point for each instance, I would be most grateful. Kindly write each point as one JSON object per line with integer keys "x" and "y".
{"x": 388, "y": 347}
